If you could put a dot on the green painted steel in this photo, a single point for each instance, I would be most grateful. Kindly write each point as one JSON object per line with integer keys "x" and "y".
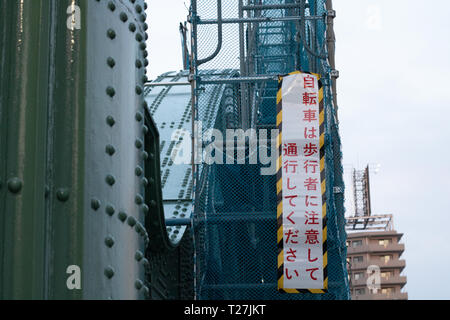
{"x": 24, "y": 101}
{"x": 78, "y": 184}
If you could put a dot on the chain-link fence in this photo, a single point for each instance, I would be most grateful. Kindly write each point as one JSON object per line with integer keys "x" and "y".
{"x": 239, "y": 48}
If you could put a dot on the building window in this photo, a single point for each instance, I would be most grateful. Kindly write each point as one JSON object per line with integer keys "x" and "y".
{"x": 386, "y": 258}
{"x": 358, "y": 259}
{"x": 356, "y": 243}
{"x": 360, "y": 291}
{"x": 387, "y": 291}
{"x": 358, "y": 275}
{"x": 384, "y": 242}
{"x": 386, "y": 274}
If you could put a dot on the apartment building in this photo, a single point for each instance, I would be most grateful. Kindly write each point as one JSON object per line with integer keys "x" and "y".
{"x": 376, "y": 255}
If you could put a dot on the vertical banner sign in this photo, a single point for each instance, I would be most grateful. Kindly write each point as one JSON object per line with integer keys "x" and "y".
{"x": 301, "y": 213}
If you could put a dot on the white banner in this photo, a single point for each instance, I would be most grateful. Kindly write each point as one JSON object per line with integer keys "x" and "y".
{"x": 303, "y": 207}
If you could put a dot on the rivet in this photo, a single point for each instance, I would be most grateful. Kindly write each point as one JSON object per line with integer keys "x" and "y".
{"x": 110, "y": 121}
{"x": 151, "y": 181}
{"x": 145, "y": 129}
{"x": 139, "y": 117}
{"x": 139, "y": 90}
{"x": 145, "y": 155}
{"x": 111, "y": 62}
{"x": 138, "y": 64}
{"x": 131, "y": 221}
{"x": 95, "y": 204}
{"x": 153, "y": 204}
{"x": 145, "y": 263}
{"x": 111, "y": 34}
{"x": 144, "y": 182}
{"x": 123, "y": 17}
{"x": 109, "y": 241}
{"x": 145, "y": 209}
{"x": 110, "y": 149}
{"x": 132, "y": 27}
{"x": 138, "y": 228}
{"x": 138, "y": 171}
{"x": 138, "y": 284}
{"x": 122, "y": 216}
{"x": 110, "y": 210}
{"x": 138, "y": 143}
{"x": 139, "y": 37}
{"x": 109, "y": 272}
{"x": 15, "y": 185}
{"x": 62, "y": 194}
{"x": 138, "y": 256}
{"x": 111, "y": 6}
{"x": 110, "y": 180}
{"x": 110, "y": 91}
{"x": 139, "y": 199}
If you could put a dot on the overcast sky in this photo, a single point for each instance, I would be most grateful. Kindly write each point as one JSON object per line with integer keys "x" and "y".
{"x": 394, "y": 110}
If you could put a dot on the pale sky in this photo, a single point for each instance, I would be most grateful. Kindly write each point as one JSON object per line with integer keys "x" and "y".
{"x": 394, "y": 100}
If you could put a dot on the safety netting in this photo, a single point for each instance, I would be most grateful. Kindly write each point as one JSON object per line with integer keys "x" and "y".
{"x": 240, "y": 48}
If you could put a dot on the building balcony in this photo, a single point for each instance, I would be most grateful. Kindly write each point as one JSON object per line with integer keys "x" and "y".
{"x": 393, "y": 264}
{"x": 393, "y": 280}
{"x": 376, "y": 248}
{"x": 380, "y": 296}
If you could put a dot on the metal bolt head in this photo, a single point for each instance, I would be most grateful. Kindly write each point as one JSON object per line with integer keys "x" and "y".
{"x": 110, "y": 149}
{"x": 110, "y": 210}
{"x": 62, "y": 194}
{"x": 138, "y": 171}
{"x": 109, "y": 241}
{"x": 138, "y": 284}
{"x": 131, "y": 221}
{"x": 138, "y": 256}
{"x": 111, "y": 34}
{"x": 15, "y": 185}
{"x": 109, "y": 272}
{"x": 95, "y": 204}
{"x": 110, "y": 180}
{"x": 139, "y": 199}
{"x": 138, "y": 143}
{"x": 122, "y": 216}
{"x": 123, "y": 17}
{"x": 110, "y": 121}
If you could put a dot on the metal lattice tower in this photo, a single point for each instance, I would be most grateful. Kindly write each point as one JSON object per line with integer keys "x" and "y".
{"x": 361, "y": 191}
